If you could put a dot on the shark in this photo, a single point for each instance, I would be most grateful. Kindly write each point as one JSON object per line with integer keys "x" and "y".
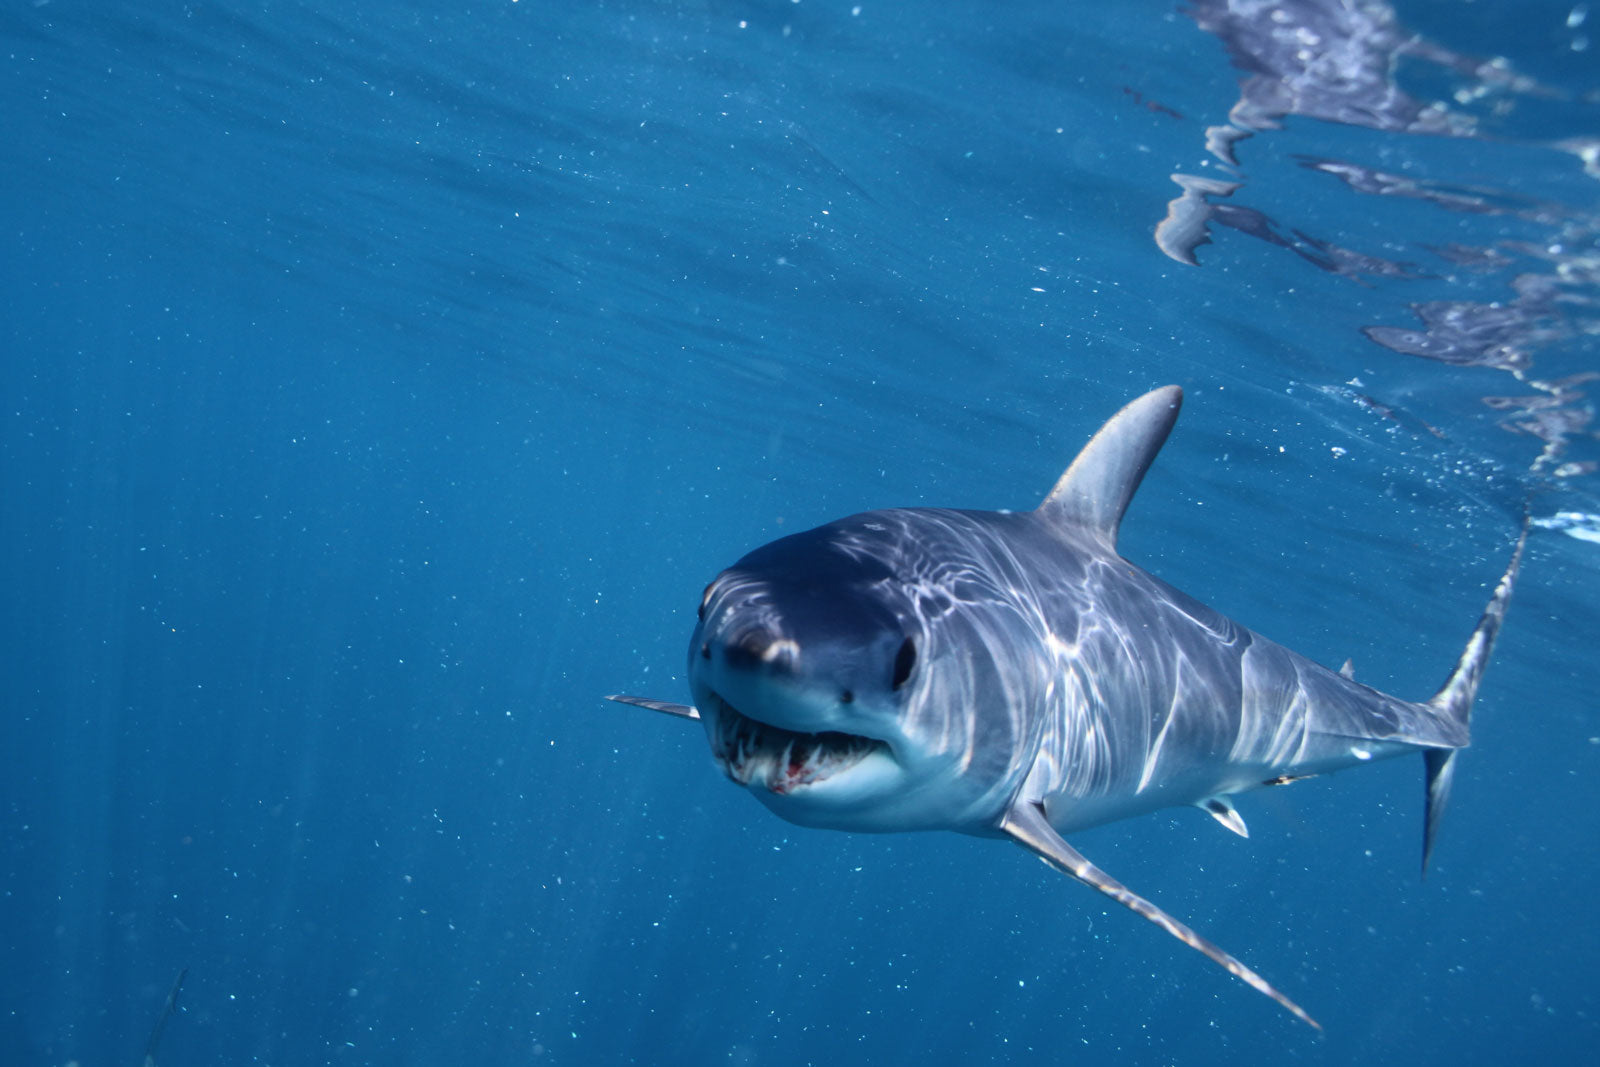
{"x": 1008, "y": 674}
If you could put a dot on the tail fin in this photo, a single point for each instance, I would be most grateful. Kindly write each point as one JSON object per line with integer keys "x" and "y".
{"x": 1454, "y": 699}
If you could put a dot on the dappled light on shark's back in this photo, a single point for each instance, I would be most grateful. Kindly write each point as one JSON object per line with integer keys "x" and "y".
{"x": 1009, "y": 674}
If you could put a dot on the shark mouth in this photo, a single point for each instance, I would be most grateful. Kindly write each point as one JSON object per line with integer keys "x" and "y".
{"x": 751, "y": 752}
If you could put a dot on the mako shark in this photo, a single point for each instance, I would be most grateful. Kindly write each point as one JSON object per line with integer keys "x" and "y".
{"x": 1008, "y": 674}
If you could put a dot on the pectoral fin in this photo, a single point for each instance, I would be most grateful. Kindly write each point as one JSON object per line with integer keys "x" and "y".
{"x": 1025, "y": 823}
{"x": 161, "y": 1020}
{"x": 666, "y": 707}
{"x": 1222, "y": 810}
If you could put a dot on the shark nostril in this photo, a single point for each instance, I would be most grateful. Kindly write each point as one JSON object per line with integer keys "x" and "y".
{"x": 756, "y": 643}
{"x": 760, "y": 645}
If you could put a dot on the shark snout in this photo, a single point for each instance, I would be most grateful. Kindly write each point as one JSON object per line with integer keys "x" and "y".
{"x": 759, "y": 647}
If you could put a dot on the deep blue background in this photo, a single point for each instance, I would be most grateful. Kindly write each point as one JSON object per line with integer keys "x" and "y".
{"x": 381, "y": 384}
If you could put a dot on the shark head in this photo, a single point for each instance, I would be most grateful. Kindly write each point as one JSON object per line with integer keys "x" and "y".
{"x": 836, "y": 676}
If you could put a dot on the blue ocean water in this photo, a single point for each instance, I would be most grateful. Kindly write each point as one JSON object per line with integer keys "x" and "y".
{"x": 382, "y": 383}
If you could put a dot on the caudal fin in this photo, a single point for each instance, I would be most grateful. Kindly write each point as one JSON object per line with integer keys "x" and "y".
{"x": 1454, "y": 699}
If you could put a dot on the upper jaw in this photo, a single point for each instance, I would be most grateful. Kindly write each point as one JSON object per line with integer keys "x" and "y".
{"x": 771, "y": 692}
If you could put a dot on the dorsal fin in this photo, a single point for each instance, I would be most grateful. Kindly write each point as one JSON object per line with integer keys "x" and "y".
{"x": 1096, "y": 489}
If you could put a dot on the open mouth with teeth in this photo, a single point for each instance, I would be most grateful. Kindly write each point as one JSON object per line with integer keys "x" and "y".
{"x": 751, "y": 752}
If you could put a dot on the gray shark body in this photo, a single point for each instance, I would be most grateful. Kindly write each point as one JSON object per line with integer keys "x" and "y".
{"x": 1009, "y": 674}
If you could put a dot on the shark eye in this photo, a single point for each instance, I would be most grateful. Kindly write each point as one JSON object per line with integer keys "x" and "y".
{"x": 905, "y": 661}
